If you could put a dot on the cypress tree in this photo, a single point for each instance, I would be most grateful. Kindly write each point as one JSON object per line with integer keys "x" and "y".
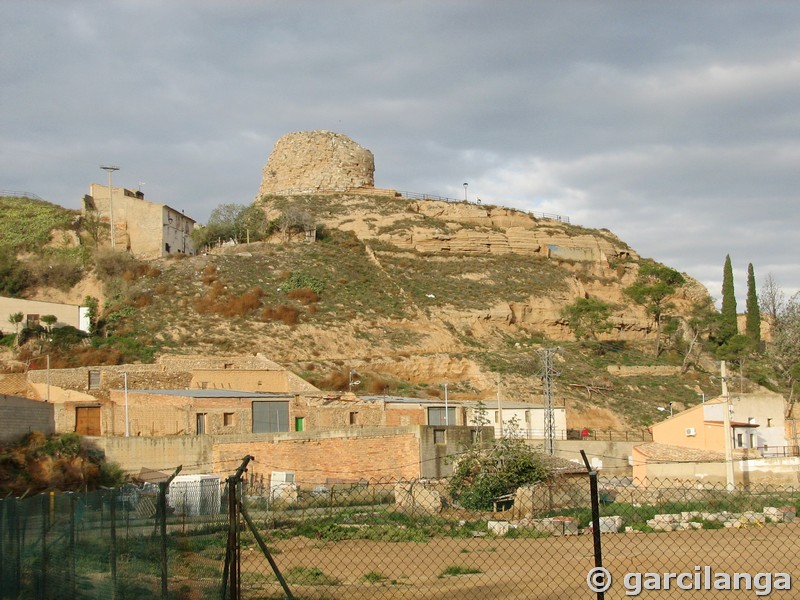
{"x": 753, "y": 323}
{"x": 728, "y": 326}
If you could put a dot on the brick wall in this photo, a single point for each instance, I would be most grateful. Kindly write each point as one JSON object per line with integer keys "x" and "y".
{"x": 375, "y": 454}
{"x": 19, "y": 416}
{"x": 387, "y": 454}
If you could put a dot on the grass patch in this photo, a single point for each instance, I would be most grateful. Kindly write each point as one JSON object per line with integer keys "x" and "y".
{"x": 374, "y": 577}
{"x": 455, "y": 570}
{"x": 309, "y": 576}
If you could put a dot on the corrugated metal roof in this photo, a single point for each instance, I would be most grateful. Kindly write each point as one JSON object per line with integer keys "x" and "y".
{"x": 212, "y": 393}
{"x": 488, "y": 405}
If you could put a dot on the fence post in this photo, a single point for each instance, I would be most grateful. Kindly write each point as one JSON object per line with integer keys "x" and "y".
{"x": 45, "y": 525}
{"x": 595, "y": 497}
{"x": 113, "y": 549}
{"x": 72, "y": 574}
{"x": 14, "y": 540}
{"x": 161, "y": 512}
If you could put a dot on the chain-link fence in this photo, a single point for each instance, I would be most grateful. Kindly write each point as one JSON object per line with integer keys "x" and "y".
{"x": 334, "y": 540}
{"x": 129, "y": 542}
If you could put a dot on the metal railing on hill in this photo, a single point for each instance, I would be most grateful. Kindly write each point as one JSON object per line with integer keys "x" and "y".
{"x": 13, "y": 194}
{"x": 534, "y": 214}
{"x": 414, "y": 196}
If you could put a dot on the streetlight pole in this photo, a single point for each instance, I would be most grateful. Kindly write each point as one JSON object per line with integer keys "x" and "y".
{"x": 110, "y": 170}
{"x": 446, "y": 416}
{"x": 726, "y": 428}
{"x": 465, "y": 191}
{"x": 127, "y": 427}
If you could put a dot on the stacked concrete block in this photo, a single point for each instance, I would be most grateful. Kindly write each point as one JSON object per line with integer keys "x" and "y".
{"x": 782, "y": 514}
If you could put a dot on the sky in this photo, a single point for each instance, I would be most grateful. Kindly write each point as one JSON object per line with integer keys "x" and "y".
{"x": 676, "y": 125}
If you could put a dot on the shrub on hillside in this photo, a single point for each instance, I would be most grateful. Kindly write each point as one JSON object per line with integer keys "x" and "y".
{"x": 61, "y": 272}
{"x": 304, "y": 295}
{"x": 109, "y": 264}
{"x": 287, "y": 313}
{"x": 14, "y": 277}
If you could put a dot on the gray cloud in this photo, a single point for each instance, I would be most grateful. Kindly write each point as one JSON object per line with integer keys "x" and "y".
{"x": 675, "y": 124}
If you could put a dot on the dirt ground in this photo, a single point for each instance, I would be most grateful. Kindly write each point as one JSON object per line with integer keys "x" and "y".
{"x": 537, "y": 569}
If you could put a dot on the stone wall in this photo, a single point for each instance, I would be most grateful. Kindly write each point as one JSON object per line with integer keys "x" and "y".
{"x": 20, "y": 416}
{"x": 317, "y": 161}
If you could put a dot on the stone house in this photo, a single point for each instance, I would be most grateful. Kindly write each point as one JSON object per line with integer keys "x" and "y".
{"x": 146, "y": 229}
{"x": 690, "y": 445}
{"x": 82, "y": 397}
{"x": 33, "y": 310}
{"x": 154, "y": 413}
{"x": 527, "y": 420}
{"x": 756, "y": 423}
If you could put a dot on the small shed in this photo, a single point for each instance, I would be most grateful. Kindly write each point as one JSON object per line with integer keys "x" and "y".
{"x": 194, "y": 495}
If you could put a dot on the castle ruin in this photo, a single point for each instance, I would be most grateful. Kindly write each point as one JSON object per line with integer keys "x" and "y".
{"x": 313, "y": 161}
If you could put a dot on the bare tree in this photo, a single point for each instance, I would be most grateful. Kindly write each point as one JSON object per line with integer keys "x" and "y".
{"x": 295, "y": 220}
{"x": 771, "y": 300}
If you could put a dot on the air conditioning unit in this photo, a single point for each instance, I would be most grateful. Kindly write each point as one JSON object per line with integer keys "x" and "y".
{"x": 691, "y": 432}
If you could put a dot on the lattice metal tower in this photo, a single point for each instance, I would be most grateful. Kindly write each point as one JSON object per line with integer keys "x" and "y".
{"x": 548, "y": 373}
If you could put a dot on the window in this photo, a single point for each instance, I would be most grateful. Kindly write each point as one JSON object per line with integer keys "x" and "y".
{"x": 228, "y": 419}
{"x": 201, "y": 423}
{"x": 769, "y": 422}
{"x": 439, "y": 436}
{"x": 437, "y": 416}
{"x": 94, "y": 380}
{"x": 353, "y": 418}
{"x": 299, "y": 423}
{"x": 739, "y": 440}
{"x": 752, "y": 440}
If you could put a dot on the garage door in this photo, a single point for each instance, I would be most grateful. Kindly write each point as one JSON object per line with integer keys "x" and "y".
{"x": 269, "y": 417}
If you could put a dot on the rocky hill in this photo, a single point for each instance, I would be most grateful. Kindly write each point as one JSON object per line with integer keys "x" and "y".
{"x": 410, "y": 294}
{"x": 401, "y": 294}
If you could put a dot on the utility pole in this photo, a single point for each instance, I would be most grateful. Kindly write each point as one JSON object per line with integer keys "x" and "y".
{"x": 726, "y": 427}
{"x": 499, "y": 406}
{"x": 548, "y": 373}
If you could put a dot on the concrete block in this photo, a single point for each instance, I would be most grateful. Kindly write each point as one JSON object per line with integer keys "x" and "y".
{"x": 610, "y": 524}
{"x": 499, "y": 527}
{"x": 564, "y": 526}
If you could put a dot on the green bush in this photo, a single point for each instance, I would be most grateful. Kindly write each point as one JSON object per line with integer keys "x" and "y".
{"x": 14, "y": 277}
{"x": 298, "y": 280}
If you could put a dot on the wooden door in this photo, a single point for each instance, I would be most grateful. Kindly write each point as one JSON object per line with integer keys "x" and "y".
{"x": 87, "y": 420}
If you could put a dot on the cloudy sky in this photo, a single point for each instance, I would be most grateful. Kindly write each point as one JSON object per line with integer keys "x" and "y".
{"x": 676, "y": 125}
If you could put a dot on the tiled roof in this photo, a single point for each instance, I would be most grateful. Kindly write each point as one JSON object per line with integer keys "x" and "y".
{"x": 656, "y": 452}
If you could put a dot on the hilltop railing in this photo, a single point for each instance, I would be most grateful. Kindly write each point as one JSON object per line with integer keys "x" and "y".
{"x": 13, "y": 194}
{"x": 412, "y": 196}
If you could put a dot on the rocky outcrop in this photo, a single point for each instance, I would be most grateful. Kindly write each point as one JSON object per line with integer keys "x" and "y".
{"x": 312, "y": 161}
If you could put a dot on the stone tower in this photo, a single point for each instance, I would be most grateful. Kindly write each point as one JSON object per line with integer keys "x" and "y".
{"x": 317, "y": 161}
